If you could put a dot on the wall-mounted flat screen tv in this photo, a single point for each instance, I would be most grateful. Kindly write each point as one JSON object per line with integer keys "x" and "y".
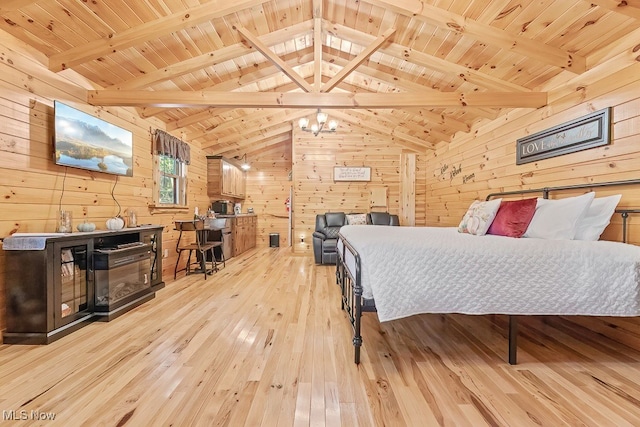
{"x": 87, "y": 142}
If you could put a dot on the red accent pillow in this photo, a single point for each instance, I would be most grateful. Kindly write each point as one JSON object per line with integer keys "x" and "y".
{"x": 513, "y": 217}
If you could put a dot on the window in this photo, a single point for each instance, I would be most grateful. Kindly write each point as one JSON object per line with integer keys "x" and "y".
{"x": 171, "y": 160}
{"x": 172, "y": 181}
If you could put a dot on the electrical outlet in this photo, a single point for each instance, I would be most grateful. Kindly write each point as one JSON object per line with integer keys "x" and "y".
{"x": 166, "y": 253}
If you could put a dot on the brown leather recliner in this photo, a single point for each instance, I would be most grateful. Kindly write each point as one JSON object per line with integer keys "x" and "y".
{"x": 325, "y": 236}
{"x": 382, "y": 218}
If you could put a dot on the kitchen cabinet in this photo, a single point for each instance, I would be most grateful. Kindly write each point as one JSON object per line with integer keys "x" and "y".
{"x": 225, "y": 178}
{"x": 244, "y": 230}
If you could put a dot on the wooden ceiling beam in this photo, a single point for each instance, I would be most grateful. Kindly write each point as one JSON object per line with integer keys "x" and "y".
{"x": 431, "y": 62}
{"x": 260, "y": 120}
{"x": 359, "y": 59}
{"x": 485, "y": 33}
{"x": 11, "y": 5}
{"x": 173, "y": 99}
{"x": 148, "y": 31}
{"x": 268, "y": 53}
{"x": 248, "y": 78}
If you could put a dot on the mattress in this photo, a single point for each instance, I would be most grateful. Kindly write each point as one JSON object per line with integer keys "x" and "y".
{"x": 413, "y": 270}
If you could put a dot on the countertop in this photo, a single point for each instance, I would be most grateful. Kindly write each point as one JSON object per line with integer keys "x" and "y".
{"x": 234, "y": 216}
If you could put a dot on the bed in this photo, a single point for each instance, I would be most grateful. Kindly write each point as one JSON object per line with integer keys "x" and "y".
{"x": 402, "y": 271}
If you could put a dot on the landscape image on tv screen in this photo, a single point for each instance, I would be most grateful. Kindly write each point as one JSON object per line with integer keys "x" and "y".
{"x": 87, "y": 142}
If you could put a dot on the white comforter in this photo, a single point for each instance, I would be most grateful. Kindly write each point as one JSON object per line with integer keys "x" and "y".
{"x": 412, "y": 270}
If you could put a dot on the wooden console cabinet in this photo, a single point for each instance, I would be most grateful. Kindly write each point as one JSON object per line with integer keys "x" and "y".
{"x": 244, "y": 229}
{"x": 224, "y": 178}
{"x": 51, "y": 280}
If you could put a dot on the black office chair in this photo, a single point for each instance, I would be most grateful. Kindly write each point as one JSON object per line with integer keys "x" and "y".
{"x": 200, "y": 246}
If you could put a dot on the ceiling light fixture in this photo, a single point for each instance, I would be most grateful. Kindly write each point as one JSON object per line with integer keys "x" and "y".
{"x": 244, "y": 165}
{"x": 316, "y": 128}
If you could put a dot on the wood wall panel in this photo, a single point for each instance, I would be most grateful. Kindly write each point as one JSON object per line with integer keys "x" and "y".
{"x": 268, "y": 187}
{"x": 31, "y": 184}
{"x": 474, "y": 165}
{"x": 315, "y": 192}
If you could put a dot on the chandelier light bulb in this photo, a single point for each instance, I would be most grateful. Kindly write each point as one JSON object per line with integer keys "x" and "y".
{"x": 244, "y": 165}
{"x": 333, "y": 125}
{"x": 315, "y": 128}
{"x": 322, "y": 117}
{"x": 303, "y": 123}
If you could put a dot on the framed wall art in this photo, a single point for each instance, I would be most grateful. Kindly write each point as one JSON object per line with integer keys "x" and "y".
{"x": 351, "y": 173}
{"x": 590, "y": 131}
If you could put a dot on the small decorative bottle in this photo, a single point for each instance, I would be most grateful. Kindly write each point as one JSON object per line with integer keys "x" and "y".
{"x": 133, "y": 219}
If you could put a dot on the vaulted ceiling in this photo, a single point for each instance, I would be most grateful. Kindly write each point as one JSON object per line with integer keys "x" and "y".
{"x": 235, "y": 76}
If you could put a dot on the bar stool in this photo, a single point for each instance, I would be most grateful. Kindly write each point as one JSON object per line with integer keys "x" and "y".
{"x": 201, "y": 247}
{"x": 216, "y": 236}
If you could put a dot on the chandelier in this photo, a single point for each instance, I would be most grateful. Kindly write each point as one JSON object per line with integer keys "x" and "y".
{"x": 316, "y": 128}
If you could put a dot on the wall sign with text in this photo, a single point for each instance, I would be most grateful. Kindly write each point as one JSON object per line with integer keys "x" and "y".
{"x": 351, "y": 173}
{"x": 590, "y": 131}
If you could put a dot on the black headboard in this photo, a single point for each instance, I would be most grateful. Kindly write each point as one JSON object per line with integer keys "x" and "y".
{"x": 546, "y": 190}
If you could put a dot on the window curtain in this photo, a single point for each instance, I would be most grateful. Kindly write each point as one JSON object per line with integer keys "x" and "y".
{"x": 171, "y": 146}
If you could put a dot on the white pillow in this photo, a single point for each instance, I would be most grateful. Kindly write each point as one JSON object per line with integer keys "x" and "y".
{"x": 479, "y": 217}
{"x": 558, "y": 219}
{"x": 597, "y": 218}
{"x": 357, "y": 219}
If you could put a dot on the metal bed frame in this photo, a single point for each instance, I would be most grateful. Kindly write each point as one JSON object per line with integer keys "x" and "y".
{"x": 354, "y": 304}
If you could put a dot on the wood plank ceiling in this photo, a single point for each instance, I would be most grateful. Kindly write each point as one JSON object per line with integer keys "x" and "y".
{"x": 236, "y": 76}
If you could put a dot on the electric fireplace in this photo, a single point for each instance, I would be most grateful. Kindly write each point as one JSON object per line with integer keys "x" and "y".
{"x": 122, "y": 276}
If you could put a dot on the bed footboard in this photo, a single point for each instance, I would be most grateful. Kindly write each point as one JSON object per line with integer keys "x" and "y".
{"x": 351, "y": 301}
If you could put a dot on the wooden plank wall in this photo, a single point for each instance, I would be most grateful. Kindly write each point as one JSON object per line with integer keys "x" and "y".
{"x": 315, "y": 192}
{"x": 474, "y": 165}
{"x": 268, "y": 187}
{"x": 32, "y": 184}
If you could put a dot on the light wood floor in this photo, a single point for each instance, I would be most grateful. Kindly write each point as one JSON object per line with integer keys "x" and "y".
{"x": 264, "y": 343}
